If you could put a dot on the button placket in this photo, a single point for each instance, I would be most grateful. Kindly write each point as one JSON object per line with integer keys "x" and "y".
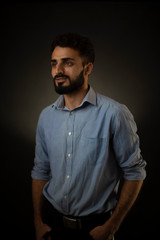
{"x": 69, "y": 154}
{"x": 70, "y": 139}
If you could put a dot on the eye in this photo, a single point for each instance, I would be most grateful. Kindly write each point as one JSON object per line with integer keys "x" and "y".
{"x": 68, "y": 63}
{"x": 53, "y": 64}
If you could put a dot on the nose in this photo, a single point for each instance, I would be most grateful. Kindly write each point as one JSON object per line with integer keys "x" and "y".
{"x": 59, "y": 69}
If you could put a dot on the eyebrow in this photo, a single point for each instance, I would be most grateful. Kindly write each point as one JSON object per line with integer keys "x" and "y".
{"x": 63, "y": 59}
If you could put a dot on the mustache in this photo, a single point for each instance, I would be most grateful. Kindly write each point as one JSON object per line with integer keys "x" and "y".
{"x": 60, "y": 75}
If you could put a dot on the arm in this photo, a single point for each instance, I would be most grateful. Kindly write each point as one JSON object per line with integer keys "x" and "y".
{"x": 128, "y": 196}
{"x": 37, "y": 188}
{"x": 125, "y": 142}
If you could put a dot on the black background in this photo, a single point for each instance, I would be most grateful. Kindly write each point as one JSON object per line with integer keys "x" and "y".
{"x": 126, "y": 39}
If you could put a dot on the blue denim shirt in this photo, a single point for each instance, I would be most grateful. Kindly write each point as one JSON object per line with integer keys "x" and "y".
{"x": 83, "y": 152}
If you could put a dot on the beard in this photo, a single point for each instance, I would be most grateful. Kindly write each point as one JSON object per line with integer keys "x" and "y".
{"x": 74, "y": 85}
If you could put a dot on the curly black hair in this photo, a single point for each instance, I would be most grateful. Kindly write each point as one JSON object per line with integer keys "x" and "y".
{"x": 77, "y": 42}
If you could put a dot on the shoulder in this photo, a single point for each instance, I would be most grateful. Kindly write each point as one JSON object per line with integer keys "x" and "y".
{"x": 113, "y": 108}
{"x": 47, "y": 110}
{"x": 110, "y": 104}
{"x": 46, "y": 114}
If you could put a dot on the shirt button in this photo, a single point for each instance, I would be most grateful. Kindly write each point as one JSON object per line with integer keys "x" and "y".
{"x": 70, "y": 133}
{"x": 69, "y": 154}
{"x": 65, "y": 197}
{"x": 72, "y": 112}
{"x": 68, "y": 176}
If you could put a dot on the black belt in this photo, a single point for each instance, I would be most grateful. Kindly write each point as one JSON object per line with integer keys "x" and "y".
{"x": 87, "y": 222}
{"x": 56, "y": 219}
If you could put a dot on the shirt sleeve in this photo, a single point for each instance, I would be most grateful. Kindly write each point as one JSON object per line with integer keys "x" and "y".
{"x": 41, "y": 168}
{"x": 126, "y": 145}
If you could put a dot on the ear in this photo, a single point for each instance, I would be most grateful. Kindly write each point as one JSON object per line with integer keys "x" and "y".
{"x": 88, "y": 68}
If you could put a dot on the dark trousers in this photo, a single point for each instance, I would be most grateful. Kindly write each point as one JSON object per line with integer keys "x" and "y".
{"x": 64, "y": 233}
{"x": 54, "y": 219}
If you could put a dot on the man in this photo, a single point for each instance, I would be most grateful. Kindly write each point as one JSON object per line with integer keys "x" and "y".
{"x": 85, "y": 143}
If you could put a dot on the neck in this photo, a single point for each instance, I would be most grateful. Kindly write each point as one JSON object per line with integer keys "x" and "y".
{"x": 74, "y": 99}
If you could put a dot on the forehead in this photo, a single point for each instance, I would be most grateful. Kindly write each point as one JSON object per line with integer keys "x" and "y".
{"x": 65, "y": 52}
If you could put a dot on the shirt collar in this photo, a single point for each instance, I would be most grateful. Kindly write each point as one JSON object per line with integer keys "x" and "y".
{"x": 90, "y": 98}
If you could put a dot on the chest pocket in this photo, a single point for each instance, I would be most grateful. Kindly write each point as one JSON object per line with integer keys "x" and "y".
{"x": 94, "y": 149}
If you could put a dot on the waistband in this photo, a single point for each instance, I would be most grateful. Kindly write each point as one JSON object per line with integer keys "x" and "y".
{"x": 86, "y": 222}
{"x": 54, "y": 218}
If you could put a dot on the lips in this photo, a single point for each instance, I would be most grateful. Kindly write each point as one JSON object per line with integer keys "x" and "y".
{"x": 61, "y": 79}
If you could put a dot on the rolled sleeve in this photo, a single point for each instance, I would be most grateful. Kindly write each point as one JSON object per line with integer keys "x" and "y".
{"x": 41, "y": 168}
{"x": 126, "y": 145}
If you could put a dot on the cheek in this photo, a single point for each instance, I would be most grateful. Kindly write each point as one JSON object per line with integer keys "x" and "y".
{"x": 69, "y": 72}
{"x": 75, "y": 73}
{"x": 52, "y": 72}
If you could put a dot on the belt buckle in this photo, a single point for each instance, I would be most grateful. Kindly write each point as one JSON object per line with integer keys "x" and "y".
{"x": 71, "y": 223}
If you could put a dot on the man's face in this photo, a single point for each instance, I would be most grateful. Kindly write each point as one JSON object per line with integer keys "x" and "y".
{"x": 67, "y": 70}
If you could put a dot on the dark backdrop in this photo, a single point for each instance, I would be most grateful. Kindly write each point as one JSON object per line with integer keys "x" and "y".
{"x": 126, "y": 39}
